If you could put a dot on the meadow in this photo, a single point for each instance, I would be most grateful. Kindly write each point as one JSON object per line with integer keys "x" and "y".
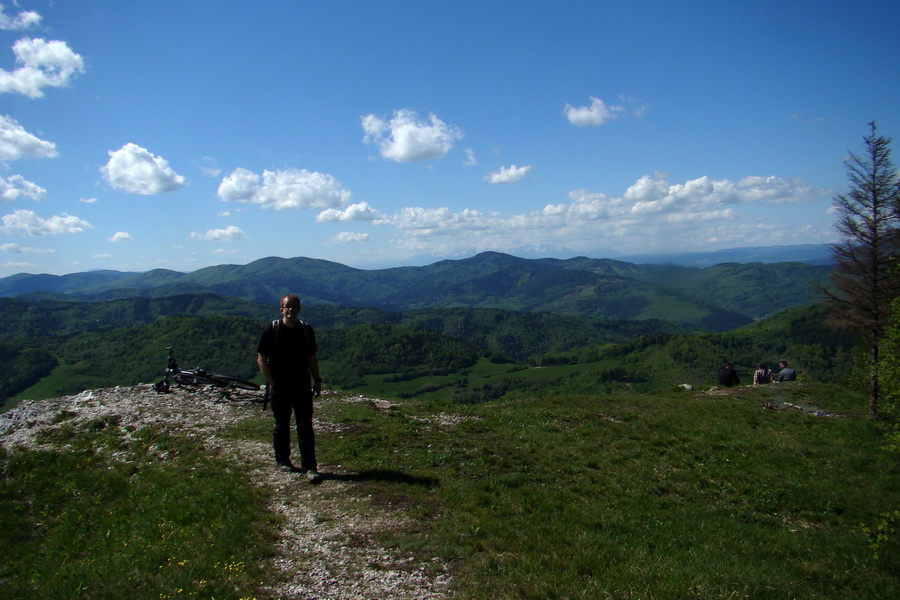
{"x": 665, "y": 494}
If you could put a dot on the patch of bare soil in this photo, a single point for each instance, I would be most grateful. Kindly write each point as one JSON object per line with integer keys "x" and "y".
{"x": 327, "y": 544}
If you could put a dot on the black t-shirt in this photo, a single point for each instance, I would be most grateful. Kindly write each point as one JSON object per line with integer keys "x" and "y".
{"x": 288, "y": 349}
{"x": 728, "y": 377}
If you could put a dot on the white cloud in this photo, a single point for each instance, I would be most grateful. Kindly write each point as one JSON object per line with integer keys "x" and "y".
{"x": 407, "y": 138}
{"x": 104, "y": 255}
{"x": 24, "y": 20}
{"x": 654, "y": 194}
{"x": 88, "y": 200}
{"x": 135, "y": 170}
{"x": 16, "y": 143}
{"x": 346, "y": 237}
{"x": 509, "y": 174}
{"x": 355, "y": 212}
{"x": 439, "y": 221}
{"x": 652, "y": 214}
{"x": 121, "y": 236}
{"x": 287, "y": 189}
{"x": 17, "y": 249}
{"x": 597, "y": 113}
{"x": 470, "y": 158}
{"x": 19, "y": 265}
{"x": 229, "y": 234}
{"x": 44, "y": 64}
{"x": 209, "y": 167}
{"x": 17, "y": 186}
{"x": 25, "y": 222}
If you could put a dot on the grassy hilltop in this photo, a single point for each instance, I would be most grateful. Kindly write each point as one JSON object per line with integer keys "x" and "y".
{"x": 472, "y": 451}
{"x": 664, "y": 495}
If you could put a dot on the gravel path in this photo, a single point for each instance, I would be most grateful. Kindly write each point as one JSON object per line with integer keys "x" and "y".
{"x": 327, "y": 547}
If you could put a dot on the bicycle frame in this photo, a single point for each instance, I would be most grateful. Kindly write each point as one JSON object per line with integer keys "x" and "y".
{"x": 198, "y": 376}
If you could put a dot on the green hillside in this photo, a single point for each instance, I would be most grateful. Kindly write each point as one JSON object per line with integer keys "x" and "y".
{"x": 711, "y": 299}
{"x": 676, "y": 495}
{"x": 51, "y": 318}
{"x": 535, "y": 454}
{"x": 472, "y": 355}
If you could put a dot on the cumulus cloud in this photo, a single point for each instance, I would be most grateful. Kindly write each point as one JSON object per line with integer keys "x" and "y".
{"x": 281, "y": 190}
{"x": 355, "y": 212}
{"x": 440, "y": 221}
{"x": 407, "y": 138}
{"x": 651, "y": 211}
{"x": 27, "y": 223}
{"x": 509, "y": 174}
{"x": 599, "y": 112}
{"x": 17, "y": 186}
{"x": 346, "y": 237}
{"x": 17, "y": 249}
{"x": 24, "y": 20}
{"x": 43, "y": 64}
{"x": 135, "y": 170}
{"x": 654, "y": 194}
{"x": 229, "y": 234}
{"x": 16, "y": 143}
{"x": 121, "y": 236}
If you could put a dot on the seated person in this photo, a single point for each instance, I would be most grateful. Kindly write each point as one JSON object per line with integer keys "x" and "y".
{"x": 762, "y": 375}
{"x": 786, "y": 374}
{"x": 728, "y": 376}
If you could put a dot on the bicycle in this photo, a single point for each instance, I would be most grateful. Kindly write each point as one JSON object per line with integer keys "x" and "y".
{"x": 198, "y": 376}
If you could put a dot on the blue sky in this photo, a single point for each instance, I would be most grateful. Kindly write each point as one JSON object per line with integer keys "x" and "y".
{"x": 173, "y": 134}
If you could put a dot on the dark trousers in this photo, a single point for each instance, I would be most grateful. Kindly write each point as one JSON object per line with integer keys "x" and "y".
{"x": 299, "y": 402}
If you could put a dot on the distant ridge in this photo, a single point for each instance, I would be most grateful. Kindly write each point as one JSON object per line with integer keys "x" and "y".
{"x": 714, "y": 298}
{"x": 811, "y": 254}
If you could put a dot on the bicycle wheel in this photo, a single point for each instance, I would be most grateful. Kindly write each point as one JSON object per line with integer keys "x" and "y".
{"x": 234, "y": 382}
{"x": 188, "y": 379}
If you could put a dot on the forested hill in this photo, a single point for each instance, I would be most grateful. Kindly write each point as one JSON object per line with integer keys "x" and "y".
{"x": 65, "y": 347}
{"x": 718, "y": 298}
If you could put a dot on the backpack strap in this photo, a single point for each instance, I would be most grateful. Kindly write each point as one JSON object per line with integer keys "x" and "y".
{"x": 303, "y": 324}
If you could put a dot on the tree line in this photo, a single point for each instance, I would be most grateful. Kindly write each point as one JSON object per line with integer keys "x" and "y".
{"x": 407, "y": 349}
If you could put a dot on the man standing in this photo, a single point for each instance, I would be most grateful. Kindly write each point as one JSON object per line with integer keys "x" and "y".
{"x": 286, "y": 356}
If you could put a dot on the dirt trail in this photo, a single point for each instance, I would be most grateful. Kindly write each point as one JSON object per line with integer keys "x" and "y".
{"x": 327, "y": 546}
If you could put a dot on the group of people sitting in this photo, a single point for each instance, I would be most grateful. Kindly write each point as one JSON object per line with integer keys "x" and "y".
{"x": 729, "y": 377}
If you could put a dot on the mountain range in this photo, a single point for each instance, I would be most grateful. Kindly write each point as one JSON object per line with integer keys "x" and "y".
{"x": 713, "y": 298}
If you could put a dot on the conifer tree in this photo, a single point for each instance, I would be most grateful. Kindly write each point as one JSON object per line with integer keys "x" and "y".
{"x": 865, "y": 277}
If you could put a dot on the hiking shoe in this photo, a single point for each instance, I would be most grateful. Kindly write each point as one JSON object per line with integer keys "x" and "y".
{"x": 313, "y": 476}
{"x": 287, "y": 467}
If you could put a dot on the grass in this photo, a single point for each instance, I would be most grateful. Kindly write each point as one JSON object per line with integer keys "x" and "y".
{"x": 661, "y": 495}
{"x": 162, "y": 520}
{"x": 643, "y": 496}
{"x": 435, "y": 388}
{"x": 64, "y": 380}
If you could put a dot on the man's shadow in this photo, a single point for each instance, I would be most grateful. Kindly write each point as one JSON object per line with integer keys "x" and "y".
{"x": 385, "y": 475}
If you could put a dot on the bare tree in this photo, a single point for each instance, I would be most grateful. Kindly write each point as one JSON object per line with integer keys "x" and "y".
{"x": 865, "y": 278}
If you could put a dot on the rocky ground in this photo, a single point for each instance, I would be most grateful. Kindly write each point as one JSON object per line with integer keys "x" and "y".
{"x": 327, "y": 546}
